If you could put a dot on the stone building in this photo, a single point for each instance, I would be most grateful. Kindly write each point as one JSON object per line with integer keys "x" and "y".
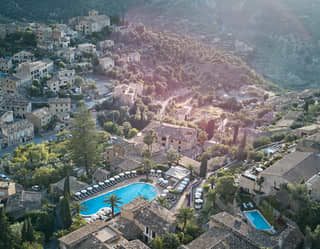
{"x": 18, "y": 105}
{"x": 98, "y": 235}
{"x": 59, "y": 106}
{"x": 40, "y": 117}
{"x": 89, "y": 24}
{"x": 127, "y": 94}
{"x": 228, "y": 231}
{"x": 16, "y": 132}
{"x": 151, "y": 219}
{"x": 11, "y": 84}
{"x": 5, "y": 64}
{"x": 23, "y": 56}
{"x": 35, "y": 70}
{"x": 173, "y": 136}
{"x": 7, "y": 189}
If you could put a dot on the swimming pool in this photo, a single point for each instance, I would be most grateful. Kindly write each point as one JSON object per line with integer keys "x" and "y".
{"x": 126, "y": 194}
{"x": 269, "y": 150}
{"x": 257, "y": 220}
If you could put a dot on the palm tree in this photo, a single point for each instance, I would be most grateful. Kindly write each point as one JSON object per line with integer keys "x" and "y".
{"x": 260, "y": 181}
{"x": 78, "y": 207}
{"x": 212, "y": 196}
{"x": 147, "y": 165}
{"x": 162, "y": 201}
{"x": 113, "y": 201}
{"x": 191, "y": 168}
{"x": 149, "y": 139}
{"x": 184, "y": 214}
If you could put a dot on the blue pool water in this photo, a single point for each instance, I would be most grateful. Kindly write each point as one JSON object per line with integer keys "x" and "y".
{"x": 269, "y": 150}
{"x": 257, "y": 220}
{"x": 126, "y": 194}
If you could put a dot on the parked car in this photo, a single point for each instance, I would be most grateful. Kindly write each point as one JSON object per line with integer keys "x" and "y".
{"x": 35, "y": 188}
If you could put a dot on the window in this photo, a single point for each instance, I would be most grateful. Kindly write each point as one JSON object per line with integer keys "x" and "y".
{"x": 153, "y": 234}
{"x": 179, "y": 142}
{"x": 163, "y": 139}
{"x": 147, "y": 230}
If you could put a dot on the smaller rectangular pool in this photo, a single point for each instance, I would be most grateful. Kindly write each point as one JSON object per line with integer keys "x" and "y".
{"x": 257, "y": 220}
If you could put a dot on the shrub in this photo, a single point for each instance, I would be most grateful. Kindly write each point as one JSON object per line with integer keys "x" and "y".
{"x": 261, "y": 141}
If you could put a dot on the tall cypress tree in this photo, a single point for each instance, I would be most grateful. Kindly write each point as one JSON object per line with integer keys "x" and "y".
{"x": 6, "y": 237}
{"x": 66, "y": 188}
{"x": 65, "y": 212}
{"x": 27, "y": 232}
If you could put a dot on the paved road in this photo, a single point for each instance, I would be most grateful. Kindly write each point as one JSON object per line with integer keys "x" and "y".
{"x": 36, "y": 140}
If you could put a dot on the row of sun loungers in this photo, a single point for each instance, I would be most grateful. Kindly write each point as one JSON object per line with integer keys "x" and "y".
{"x": 248, "y": 205}
{"x": 103, "y": 185}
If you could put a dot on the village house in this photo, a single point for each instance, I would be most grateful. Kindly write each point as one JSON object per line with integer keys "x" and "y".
{"x": 127, "y": 94}
{"x": 307, "y": 130}
{"x": 100, "y": 175}
{"x": 40, "y": 117}
{"x": 149, "y": 218}
{"x": 11, "y": 84}
{"x": 87, "y": 48}
{"x": 106, "y": 63}
{"x": 23, "y": 202}
{"x": 45, "y": 45}
{"x": 18, "y": 105}
{"x": 98, "y": 235}
{"x": 68, "y": 54}
{"x": 5, "y": 64}
{"x": 228, "y": 231}
{"x": 293, "y": 169}
{"x": 59, "y": 106}
{"x": 173, "y": 136}
{"x": 310, "y": 144}
{"x": 42, "y": 32}
{"x": 7, "y": 189}
{"x": 105, "y": 45}
{"x": 35, "y": 70}
{"x": 89, "y": 24}
{"x": 313, "y": 185}
{"x": 23, "y": 56}
{"x": 75, "y": 186}
{"x": 6, "y": 117}
{"x": 16, "y": 132}
{"x": 134, "y": 57}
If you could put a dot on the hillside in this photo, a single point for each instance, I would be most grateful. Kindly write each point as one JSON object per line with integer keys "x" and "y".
{"x": 170, "y": 61}
{"x": 278, "y": 38}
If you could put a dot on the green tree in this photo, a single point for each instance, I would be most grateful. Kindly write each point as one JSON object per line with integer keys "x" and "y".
{"x": 43, "y": 175}
{"x": 170, "y": 241}
{"x": 6, "y": 236}
{"x": 157, "y": 243}
{"x": 162, "y": 201}
{"x": 212, "y": 196}
{"x": 173, "y": 156}
{"x": 65, "y": 212}
{"x": 78, "y": 207}
{"x": 113, "y": 201}
{"x": 212, "y": 180}
{"x": 27, "y": 233}
{"x": 147, "y": 165}
{"x": 83, "y": 142}
{"x": 183, "y": 215}
{"x": 149, "y": 138}
{"x": 66, "y": 188}
{"x": 191, "y": 169}
{"x": 204, "y": 164}
{"x": 31, "y": 245}
{"x": 132, "y": 133}
{"x": 260, "y": 181}
{"x": 225, "y": 187}
{"x": 126, "y": 128}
